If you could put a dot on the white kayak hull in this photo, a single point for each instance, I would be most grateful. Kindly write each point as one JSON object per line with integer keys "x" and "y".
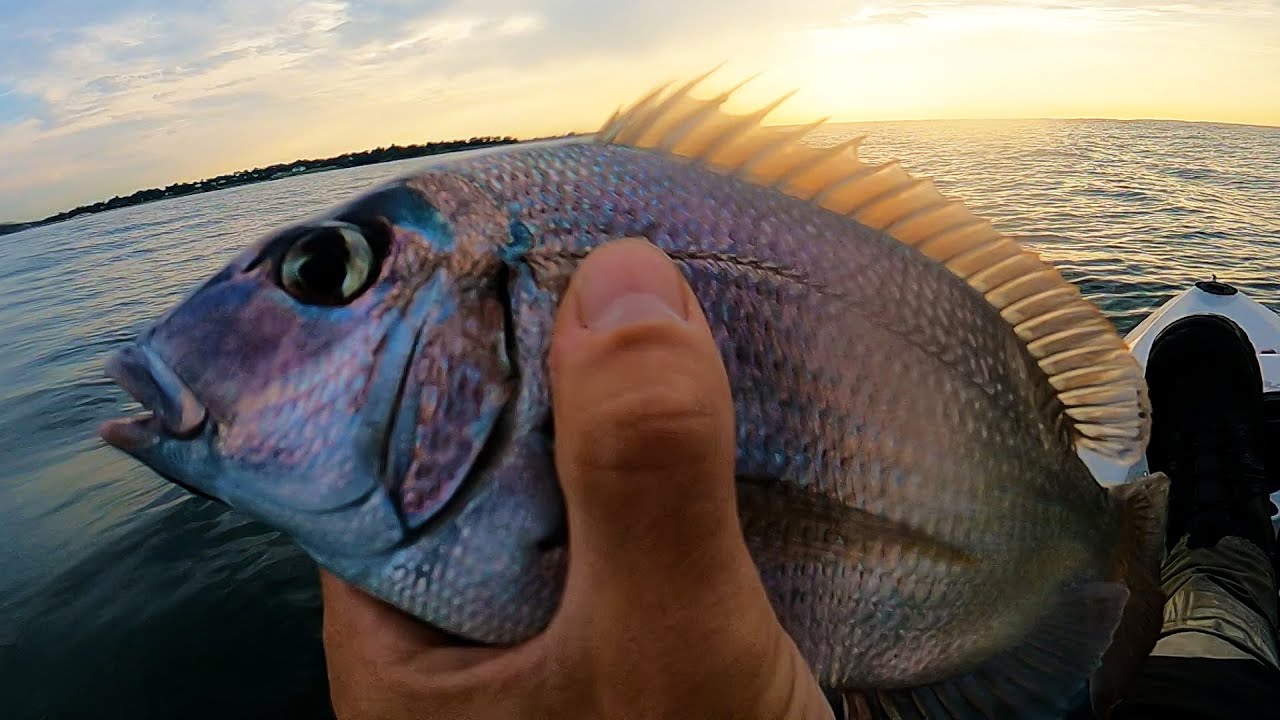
{"x": 1211, "y": 298}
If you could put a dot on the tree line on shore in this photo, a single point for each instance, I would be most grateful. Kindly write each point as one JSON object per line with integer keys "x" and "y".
{"x": 270, "y": 172}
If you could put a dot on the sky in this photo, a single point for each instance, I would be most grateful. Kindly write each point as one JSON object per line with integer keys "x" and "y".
{"x": 104, "y": 97}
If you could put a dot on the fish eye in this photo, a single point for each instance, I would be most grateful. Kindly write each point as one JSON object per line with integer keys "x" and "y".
{"x": 328, "y": 266}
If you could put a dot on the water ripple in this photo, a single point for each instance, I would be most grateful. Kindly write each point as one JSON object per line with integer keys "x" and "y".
{"x": 121, "y": 595}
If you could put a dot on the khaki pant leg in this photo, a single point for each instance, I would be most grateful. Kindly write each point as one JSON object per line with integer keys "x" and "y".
{"x": 1221, "y": 603}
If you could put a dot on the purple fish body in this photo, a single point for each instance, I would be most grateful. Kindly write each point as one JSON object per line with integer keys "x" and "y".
{"x": 374, "y": 383}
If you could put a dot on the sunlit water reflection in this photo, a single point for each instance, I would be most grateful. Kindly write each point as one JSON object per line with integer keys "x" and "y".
{"x": 122, "y": 596}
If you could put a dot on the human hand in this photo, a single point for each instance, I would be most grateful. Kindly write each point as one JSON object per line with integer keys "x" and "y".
{"x": 663, "y": 614}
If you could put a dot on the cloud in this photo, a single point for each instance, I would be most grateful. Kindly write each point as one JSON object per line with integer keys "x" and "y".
{"x": 878, "y": 16}
{"x": 17, "y": 106}
{"x": 100, "y": 98}
{"x": 146, "y": 64}
{"x": 978, "y": 11}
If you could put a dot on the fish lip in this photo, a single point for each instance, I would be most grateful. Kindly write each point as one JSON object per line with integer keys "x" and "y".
{"x": 175, "y": 411}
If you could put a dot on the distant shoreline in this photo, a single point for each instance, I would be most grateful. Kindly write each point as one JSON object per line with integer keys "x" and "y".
{"x": 405, "y": 152}
{"x": 267, "y": 174}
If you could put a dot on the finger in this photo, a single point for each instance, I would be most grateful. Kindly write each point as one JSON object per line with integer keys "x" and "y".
{"x": 361, "y": 630}
{"x": 644, "y": 428}
{"x": 383, "y": 663}
{"x": 645, "y": 456}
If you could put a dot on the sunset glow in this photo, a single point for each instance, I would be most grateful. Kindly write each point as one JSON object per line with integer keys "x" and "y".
{"x": 100, "y": 98}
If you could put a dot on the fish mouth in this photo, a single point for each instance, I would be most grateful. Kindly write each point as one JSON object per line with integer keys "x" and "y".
{"x": 171, "y": 410}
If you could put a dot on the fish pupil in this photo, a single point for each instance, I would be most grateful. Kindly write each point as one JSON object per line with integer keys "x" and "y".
{"x": 325, "y": 267}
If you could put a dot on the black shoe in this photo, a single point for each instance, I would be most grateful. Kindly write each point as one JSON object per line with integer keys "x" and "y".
{"x": 1206, "y": 411}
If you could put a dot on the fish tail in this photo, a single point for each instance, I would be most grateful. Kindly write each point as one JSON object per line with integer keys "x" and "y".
{"x": 1042, "y": 676}
{"x": 1098, "y": 632}
{"x": 1141, "y": 506}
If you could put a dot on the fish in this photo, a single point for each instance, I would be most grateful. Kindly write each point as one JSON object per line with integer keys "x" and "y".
{"x": 912, "y": 391}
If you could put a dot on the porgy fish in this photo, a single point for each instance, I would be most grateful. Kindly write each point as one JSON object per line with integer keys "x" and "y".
{"x": 911, "y": 388}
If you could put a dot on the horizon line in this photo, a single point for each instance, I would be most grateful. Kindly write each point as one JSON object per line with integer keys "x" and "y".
{"x": 1235, "y": 123}
{"x": 829, "y": 123}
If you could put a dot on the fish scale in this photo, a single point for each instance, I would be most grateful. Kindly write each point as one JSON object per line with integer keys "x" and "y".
{"x": 907, "y": 393}
{"x": 770, "y": 238}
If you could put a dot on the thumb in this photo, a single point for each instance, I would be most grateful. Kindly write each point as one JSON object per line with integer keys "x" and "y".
{"x": 644, "y": 434}
{"x": 645, "y": 456}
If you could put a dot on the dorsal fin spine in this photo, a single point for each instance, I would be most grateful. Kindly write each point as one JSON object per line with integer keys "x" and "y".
{"x": 883, "y": 178}
{"x": 929, "y": 222}
{"x": 785, "y": 141}
{"x": 1066, "y": 381}
{"x": 863, "y": 171}
{"x": 947, "y": 245}
{"x": 845, "y": 196}
{"x": 654, "y": 131}
{"x": 605, "y": 135}
{"x": 1039, "y": 345}
{"x": 975, "y": 254}
{"x": 746, "y": 124}
{"x": 1063, "y": 332}
{"x": 691, "y": 122}
{"x": 1026, "y": 308}
{"x": 819, "y": 159}
{"x": 886, "y": 208}
{"x": 1068, "y": 313}
{"x": 641, "y": 115}
{"x": 1012, "y": 286}
{"x": 1050, "y": 360}
{"x": 979, "y": 278}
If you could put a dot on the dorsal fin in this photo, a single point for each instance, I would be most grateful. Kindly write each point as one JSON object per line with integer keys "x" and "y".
{"x": 1098, "y": 381}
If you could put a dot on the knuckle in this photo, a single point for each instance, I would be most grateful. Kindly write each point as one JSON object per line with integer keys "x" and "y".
{"x": 635, "y": 433}
{"x": 656, "y": 400}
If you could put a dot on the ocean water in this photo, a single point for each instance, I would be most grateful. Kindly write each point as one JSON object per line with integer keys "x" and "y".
{"x": 122, "y": 596}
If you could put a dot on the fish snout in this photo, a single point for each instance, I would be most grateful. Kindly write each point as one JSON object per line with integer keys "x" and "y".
{"x": 172, "y": 409}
